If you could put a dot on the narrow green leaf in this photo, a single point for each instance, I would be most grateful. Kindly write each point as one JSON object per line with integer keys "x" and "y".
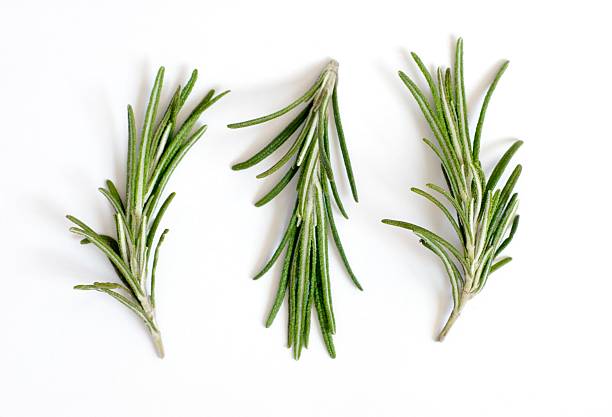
{"x": 506, "y": 242}
{"x": 101, "y": 285}
{"x": 463, "y": 217}
{"x": 462, "y": 115}
{"x": 338, "y": 242}
{"x": 324, "y": 159}
{"x": 165, "y": 176}
{"x": 276, "y": 143}
{"x": 158, "y": 218}
{"x": 452, "y": 271}
{"x": 307, "y": 96}
{"x": 159, "y": 150}
{"x": 111, "y": 254}
{"x": 293, "y": 279}
{"x": 205, "y": 103}
{"x": 185, "y": 128}
{"x": 502, "y": 164}
{"x": 188, "y": 87}
{"x": 131, "y": 305}
{"x": 112, "y": 199}
{"x": 501, "y": 213}
{"x": 145, "y": 138}
{"x": 458, "y": 144}
{"x": 150, "y": 116}
{"x": 81, "y": 224}
{"x": 123, "y": 300}
{"x": 323, "y": 319}
{"x": 154, "y": 269}
{"x": 291, "y": 152}
{"x": 283, "y": 282}
{"x": 306, "y": 179}
{"x": 506, "y": 192}
{"x": 162, "y": 131}
{"x": 302, "y": 276}
{"x": 441, "y": 206}
{"x": 131, "y": 163}
{"x": 483, "y": 109}
{"x": 422, "y": 102}
{"x": 447, "y": 169}
{"x": 325, "y": 177}
{"x": 121, "y": 228}
{"x": 313, "y": 126}
{"x": 287, "y": 237}
{"x": 110, "y": 241}
{"x": 323, "y": 260}
{"x": 432, "y": 88}
{"x": 342, "y": 141}
{"x": 312, "y": 283}
{"x": 115, "y": 194}
{"x": 428, "y": 235}
{"x": 141, "y": 251}
{"x": 482, "y": 274}
{"x": 499, "y": 264}
{"x": 280, "y": 186}
{"x": 505, "y": 221}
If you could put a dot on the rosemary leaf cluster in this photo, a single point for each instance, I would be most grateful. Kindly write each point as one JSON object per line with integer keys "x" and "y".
{"x": 305, "y": 276}
{"x": 486, "y": 218}
{"x": 152, "y": 158}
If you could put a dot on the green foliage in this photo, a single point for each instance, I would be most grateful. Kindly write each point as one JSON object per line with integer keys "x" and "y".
{"x": 305, "y": 276}
{"x": 486, "y": 218}
{"x": 152, "y": 158}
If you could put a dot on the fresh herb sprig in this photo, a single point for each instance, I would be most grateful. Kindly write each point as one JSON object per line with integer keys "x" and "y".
{"x": 486, "y": 216}
{"x": 152, "y": 158}
{"x": 305, "y": 275}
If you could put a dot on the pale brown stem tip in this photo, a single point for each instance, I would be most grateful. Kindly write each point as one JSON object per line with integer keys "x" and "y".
{"x": 451, "y": 320}
{"x": 157, "y": 342}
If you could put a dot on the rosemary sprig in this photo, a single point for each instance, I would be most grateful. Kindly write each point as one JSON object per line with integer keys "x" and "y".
{"x": 152, "y": 158}
{"x": 486, "y": 218}
{"x": 305, "y": 274}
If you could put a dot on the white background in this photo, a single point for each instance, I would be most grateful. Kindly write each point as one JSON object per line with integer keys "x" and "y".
{"x": 536, "y": 342}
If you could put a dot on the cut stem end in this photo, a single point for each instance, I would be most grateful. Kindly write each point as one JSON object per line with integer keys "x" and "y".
{"x": 157, "y": 342}
{"x": 451, "y": 320}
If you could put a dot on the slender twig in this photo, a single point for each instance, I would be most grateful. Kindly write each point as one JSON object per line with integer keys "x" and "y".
{"x": 152, "y": 159}
{"x": 305, "y": 278}
{"x": 486, "y": 218}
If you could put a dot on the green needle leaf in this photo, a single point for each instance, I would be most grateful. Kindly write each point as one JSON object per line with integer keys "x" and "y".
{"x": 431, "y": 236}
{"x": 307, "y": 96}
{"x": 506, "y": 242}
{"x": 441, "y": 206}
{"x": 343, "y": 147}
{"x": 158, "y": 218}
{"x": 155, "y": 260}
{"x": 188, "y": 87}
{"x": 499, "y": 264}
{"x": 430, "y": 83}
{"x": 276, "y": 143}
{"x": 282, "y": 285}
{"x": 502, "y": 164}
{"x": 338, "y": 242}
{"x": 485, "y": 106}
{"x": 289, "y": 233}
{"x": 280, "y": 186}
